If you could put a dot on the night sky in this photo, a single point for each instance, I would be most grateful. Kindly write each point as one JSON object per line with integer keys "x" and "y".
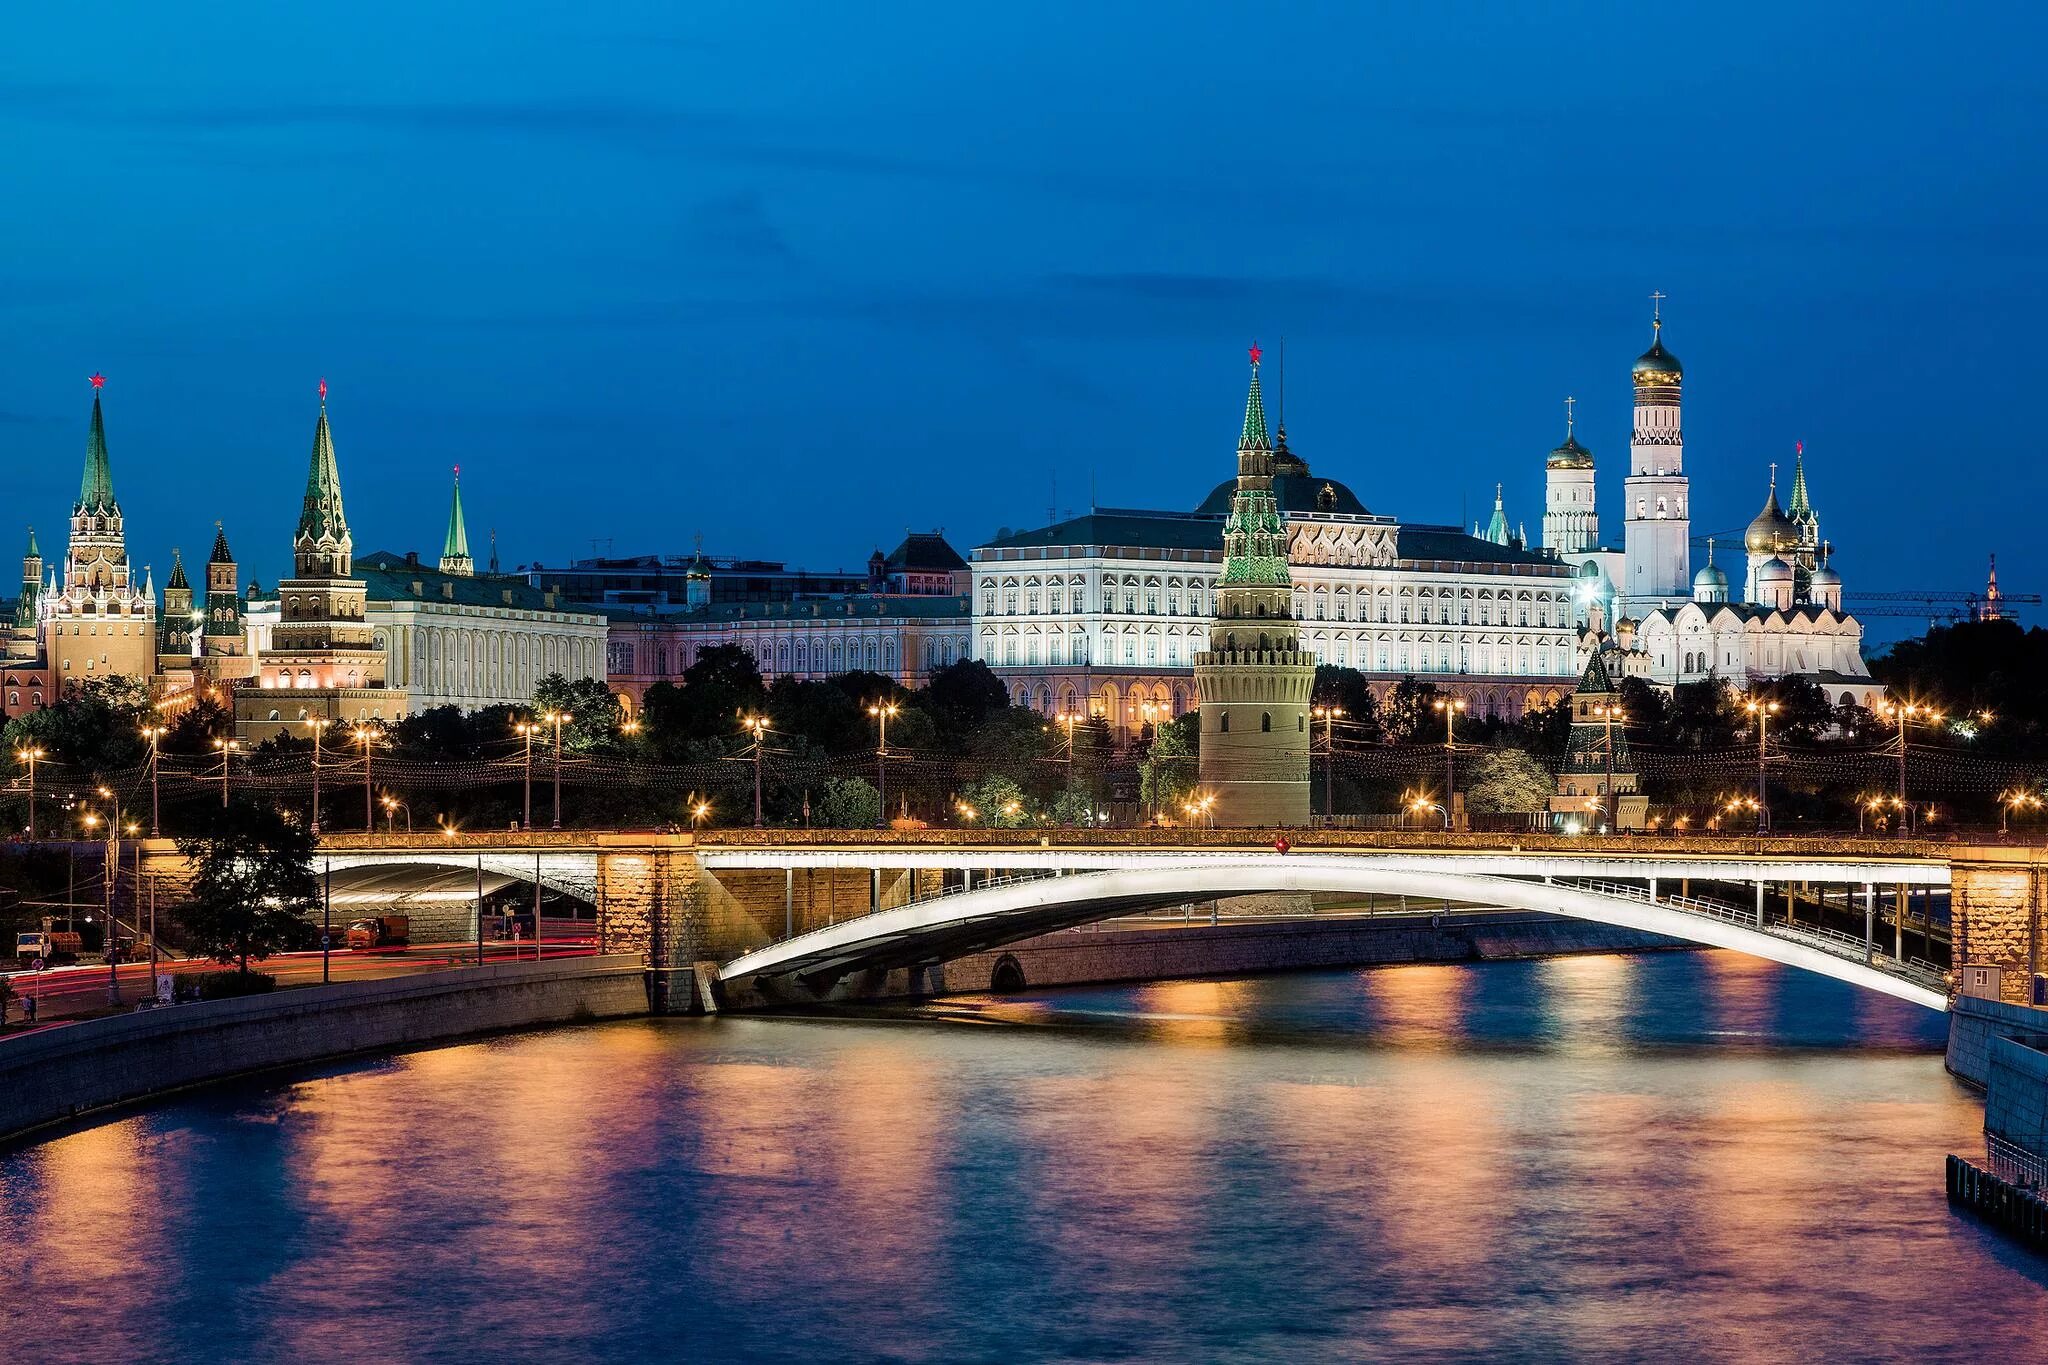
{"x": 797, "y": 277}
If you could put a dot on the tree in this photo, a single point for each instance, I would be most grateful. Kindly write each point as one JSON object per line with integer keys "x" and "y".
{"x": 1071, "y": 805}
{"x": 847, "y": 803}
{"x": 1348, "y": 691}
{"x": 1169, "y": 771}
{"x": 997, "y": 802}
{"x": 95, "y": 727}
{"x": 962, "y": 695}
{"x": 1702, "y": 715}
{"x": 1411, "y": 711}
{"x": 1546, "y": 730}
{"x": 252, "y": 885}
{"x": 1504, "y": 781}
{"x": 594, "y": 711}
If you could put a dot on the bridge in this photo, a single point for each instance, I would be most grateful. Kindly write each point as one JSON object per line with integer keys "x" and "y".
{"x": 787, "y": 914}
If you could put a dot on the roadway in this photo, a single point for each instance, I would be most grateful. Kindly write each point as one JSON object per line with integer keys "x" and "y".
{"x": 67, "y": 994}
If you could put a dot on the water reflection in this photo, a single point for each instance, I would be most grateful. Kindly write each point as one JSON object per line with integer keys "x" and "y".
{"x": 1647, "y": 1156}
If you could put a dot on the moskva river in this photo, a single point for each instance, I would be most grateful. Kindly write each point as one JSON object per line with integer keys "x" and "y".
{"x": 1681, "y": 1156}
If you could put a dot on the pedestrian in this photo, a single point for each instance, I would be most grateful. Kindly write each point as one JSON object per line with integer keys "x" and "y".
{"x": 28, "y": 1011}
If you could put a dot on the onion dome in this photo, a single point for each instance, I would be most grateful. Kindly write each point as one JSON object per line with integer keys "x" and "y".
{"x": 1657, "y": 360}
{"x": 1824, "y": 577}
{"x": 1774, "y": 570}
{"x": 1570, "y": 455}
{"x": 1772, "y": 532}
{"x": 1709, "y": 580}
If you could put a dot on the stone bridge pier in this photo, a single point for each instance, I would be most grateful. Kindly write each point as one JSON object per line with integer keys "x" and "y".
{"x": 1996, "y": 898}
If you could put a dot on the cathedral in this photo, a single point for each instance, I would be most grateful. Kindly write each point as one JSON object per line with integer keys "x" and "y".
{"x": 1643, "y": 603}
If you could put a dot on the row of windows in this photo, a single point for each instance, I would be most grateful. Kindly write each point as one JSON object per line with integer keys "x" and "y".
{"x": 1381, "y": 656}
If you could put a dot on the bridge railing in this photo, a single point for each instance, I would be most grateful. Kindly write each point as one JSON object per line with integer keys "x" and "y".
{"x": 1831, "y": 941}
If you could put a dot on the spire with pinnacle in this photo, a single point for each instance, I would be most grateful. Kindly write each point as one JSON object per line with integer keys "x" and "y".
{"x": 1497, "y": 529}
{"x": 221, "y": 553}
{"x": 177, "y": 580}
{"x": 323, "y": 548}
{"x": 494, "y": 550}
{"x": 1255, "y": 437}
{"x": 455, "y": 546}
{"x": 96, "y": 488}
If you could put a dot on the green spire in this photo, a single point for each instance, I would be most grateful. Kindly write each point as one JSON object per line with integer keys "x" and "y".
{"x": 96, "y": 488}
{"x": 456, "y": 546}
{"x": 221, "y": 554}
{"x": 1801, "y": 508}
{"x": 1255, "y": 437}
{"x": 1497, "y": 529}
{"x": 32, "y": 552}
{"x": 322, "y": 514}
{"x": 177, "y": 581}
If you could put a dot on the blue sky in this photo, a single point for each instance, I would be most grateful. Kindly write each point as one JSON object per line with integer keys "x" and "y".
{"x": 798, "y": 277}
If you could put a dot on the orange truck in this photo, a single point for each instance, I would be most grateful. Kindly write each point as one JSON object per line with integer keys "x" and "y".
{"x": 383, "y": 931}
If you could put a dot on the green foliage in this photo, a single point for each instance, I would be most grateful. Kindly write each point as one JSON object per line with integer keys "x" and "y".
{"x": 847, "y": 803}
{"x": 595, "y": 712}
{"x": 252, "y": 885}
{"x": 1502, "y": 781}
{"x": 1348, "y": 691}
{"x": 196, "y": 728}
{"x": 1701, "y": 715}
{"x": 1170, "y": 769}
{"x": 962, "y": 695}
{"x": 94, "y": 727}
{"x": 1410, "y": 715}
{"x": 997, "y": 802}
{"x": 1072, "y": 806}
{"x": 1546, "y": 730}
{"x": 1016, "y": 738}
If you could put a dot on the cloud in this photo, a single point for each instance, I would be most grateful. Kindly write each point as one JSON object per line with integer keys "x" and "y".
{"x": 737, "y": 227}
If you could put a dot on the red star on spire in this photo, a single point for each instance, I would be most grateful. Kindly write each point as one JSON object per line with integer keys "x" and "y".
{"x": 97, "y": 380}
{"x": 323, "y": 390}
{"x": 1256, "y": 353}
{"x": 1799, "y": 447}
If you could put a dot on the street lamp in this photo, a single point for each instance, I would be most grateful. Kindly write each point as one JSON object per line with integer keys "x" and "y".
{"x": 1610, "y": 712}
{"x": 1328, "y": 715}
{"x": 366, "y": 735}
{"x": 1418, "y": 802}
{"x": 557, "y": 719}
{"x": 153, "y": 732}
{"x": 1450, "y": 706}
{"x": 526, "y": 730}
{"x": 1761, "y": 709}
{"x": 227, "y": 747}
{"x": 29, "y": 754}
{"x": 882, "y": 711}
{"x": 1906, "y": 712}
{"x": 392, "y": 805}
{"x": 757, "y": 726}
{"x": 2011, "y": 801}
{"x": 967, "y": 812}
{"x": 317, "y": 725}
{"x": 700, "y": 811}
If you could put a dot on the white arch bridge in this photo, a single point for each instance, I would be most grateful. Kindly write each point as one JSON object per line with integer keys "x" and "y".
{"x": 1046, "y": 890}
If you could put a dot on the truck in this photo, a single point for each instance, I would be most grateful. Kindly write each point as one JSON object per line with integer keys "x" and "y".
{"x": 52, "y": 946}
{"x": 380, "y": 931}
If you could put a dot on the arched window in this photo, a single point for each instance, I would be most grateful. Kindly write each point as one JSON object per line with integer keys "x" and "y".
{"x": 1265, "y": 722}
{"x": 1223, "y": 724}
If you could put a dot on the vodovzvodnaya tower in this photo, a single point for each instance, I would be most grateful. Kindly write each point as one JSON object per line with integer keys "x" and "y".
{"x": 1254, "y": 679}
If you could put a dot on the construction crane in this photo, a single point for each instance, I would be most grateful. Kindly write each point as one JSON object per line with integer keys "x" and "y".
{"x": 1939, "y": 606}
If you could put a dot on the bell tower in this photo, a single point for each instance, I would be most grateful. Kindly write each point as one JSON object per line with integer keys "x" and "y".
{"x": 1657, "y": 525}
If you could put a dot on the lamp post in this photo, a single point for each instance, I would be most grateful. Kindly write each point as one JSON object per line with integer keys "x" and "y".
{"x": 226, "y": 747}
{"x": 1610, "y": 712}
{"x": 1762, "y": 709}
{"x": 700, "y": 811}
{"x": 153, "y": 732}
{"x": 29, "y": 754}
{"x": 2011, "y": 801}
{"x": 757, "y": 726}
{"x": 1420, "y": 802}
{"x": 1906, "y": 712}
{"x": 366, "y": 736}
{"x": 317, "y": 725}
{"x": 392, "y": 805}
{"x": 1328, "y": 716}
{"x": 1450, "y": 706}
{"x": 882, "y": 711}
{"x": 557, "y": 719}
{"x": 526, "y": 730}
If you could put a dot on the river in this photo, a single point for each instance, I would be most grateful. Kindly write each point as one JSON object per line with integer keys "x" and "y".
{"x": 1665, "y": 1155}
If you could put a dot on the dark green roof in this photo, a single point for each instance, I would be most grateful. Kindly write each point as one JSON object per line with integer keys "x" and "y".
{"x": 1122, "y": 526}
{"x": 390, "y": 578}
{"x": 819, "y": 609}
{"x": 96, "y": 487}
{"x": 322, "y": 512}
{"x": 1254, "y": 436}
{"x": 925, "y": 552}
{"x": 1298, "y": 495}
{"x": 1449, "y": 543}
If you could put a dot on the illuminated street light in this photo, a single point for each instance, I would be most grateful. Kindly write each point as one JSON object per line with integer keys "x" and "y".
{"x": 2011, "y": 801}
{"x": 29, "y": 754}
{"x": 1329, "y": 716}
{"x": 882, "y": 711}
{"x": 1906, "y": 713}
{"x": 1761, "y": 709}
{"x": 1451, "y": 708}
{"x": 757, "y": 726}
